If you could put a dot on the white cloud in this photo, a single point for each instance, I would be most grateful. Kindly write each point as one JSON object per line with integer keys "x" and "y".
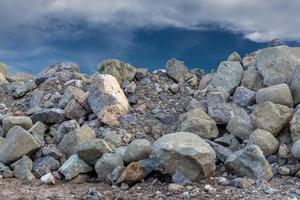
{"x": 258, "y": 20}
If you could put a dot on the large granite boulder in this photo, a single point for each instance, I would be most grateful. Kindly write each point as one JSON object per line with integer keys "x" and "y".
{"x": 185, "y": 153}
{"x": 249, "y": 162}
{"x": 271, "y": 117}
{"x": 276, "y": 63}
{"x": 198, "y": 122}
{"x": 120, "y": 70}
{"x": 278, "y": 94}
{"x": 228, "y": 76}
{"x": 17, "y": 144}
{"x": 107, "y": 99}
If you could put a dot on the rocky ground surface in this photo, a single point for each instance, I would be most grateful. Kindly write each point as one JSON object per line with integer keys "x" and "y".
{"x": 176, "y": 133}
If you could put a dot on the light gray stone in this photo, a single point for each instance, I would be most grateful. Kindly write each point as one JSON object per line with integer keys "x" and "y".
{"x": 265, "y": 141}
{"x": 11, "y": 121}
{"x": 243, "y": 96}
{"x": 138, "y": 149}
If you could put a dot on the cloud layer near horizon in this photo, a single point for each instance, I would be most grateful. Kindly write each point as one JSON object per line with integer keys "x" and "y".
{"x": 258, "y": 20}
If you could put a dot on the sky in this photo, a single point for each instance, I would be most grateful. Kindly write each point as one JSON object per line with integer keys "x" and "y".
{"x": 146, "y": 33}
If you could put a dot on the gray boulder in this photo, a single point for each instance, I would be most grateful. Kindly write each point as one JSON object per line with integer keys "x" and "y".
{"x": 107, "y": 99}
{"x": 243, "y": 96}
{"x": 235, "y": 56}
{"x": 121, "y": 71}
{"x": 74, "y": 110}
{"x": 138, "y": 149}
{"x": 252, "y": 79}
{"x": 296, "y": 150}
{"x": 22, "y": 169}
{"x": 91, "y": 150}
{"x": 271, "y": 117}
{"x": 177, "y": 70}
{"x": 186, "y": 153}
{"x": 295, "y": 126}
{"x": 73, "y": 167}
{"x": 276, "y": 63}
{"x": 265, "y": 141}
{"x": 23, "y": 87}
{"x": 228, "y": 76}
{"x": 38, "y": 131}
{"x": 198, "y": 122}
{"x": 43, "y": 165}
{"x": 249, "y": 162}
{"x": 66, "y": 127}
{"x": 5, "y": 171}
{"x": 278, "y": 94}
{"x": 293, "y": 82}
{"x": 240, "y": 127}
{"x": 11, "y": 121}
{"x": 49, "y": 116}
{"x": 17, "y": 144}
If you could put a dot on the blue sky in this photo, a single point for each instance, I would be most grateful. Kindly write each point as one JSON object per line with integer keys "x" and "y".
{"x": 37, "y": 33}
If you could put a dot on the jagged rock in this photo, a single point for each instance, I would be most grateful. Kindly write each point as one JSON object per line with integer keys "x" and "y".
{"x": 121, "y": 71}
{"x": 70, "y": 93}
{"x": 137, "y": 171}
{"x": 74, "y": 110}
{"x": 38, "y": 131}
{"x": 106, "y": 164}
{"x": 66, "y": 127}
{"x": 250, "y": 162}
{"x": 141, "y": 73}
{"x": 22, "y": 169}
{"x": 186, "y": 153}
{"x": 265, "y": 141}
{"x": 240, "y": 127}
{"x": 91, "y": 150}
{"x": 295, "y": 126}
{"x": 222, "y": 152}
{"x": 48, "y": 179}
{"x": 177, "y": 70}
{"x": 276, "y": 63}
{"x": 174, "y": 88}
{"x": 73, "y": 167}
{"x": 228, "y": 140}
{"x": 204, "y": 82}
{"x": 243, "y": 96}
{"x": 198, "y": 122}
{"x": 228, "y": 76}
{"x": 43, "y": 165}
{"x": 235, "y": 56}
{"x": 278, "y": 94}
{"x": 49, "y": 116}
{"x": 17, "y": 144}
{"x": 138, "y": 149}
{"x": 115, "y": 174}
{"x": 5, "y": 171}
{"x": 11, "y": 121}
{"x": 296, "y": 150}
{"x": 107, "y": 100}
{"x": 23, "y": 87}
{"x": 64, "y": 71}
{"x": 252, "y": 79}
{"x": 271, "y": 117}
{"x": 35, "y": 99}
{"x": 71, "y": 141}
{"x": 293, "y": 82}
{"x": 52, "y": 151}
{"x": 276, "y": 42}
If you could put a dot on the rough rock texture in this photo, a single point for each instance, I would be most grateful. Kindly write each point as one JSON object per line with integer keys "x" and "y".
{"x": 265, "y": 141}
{"x": 186, "y": 153}
{"x": 22, "y": 169}
{"x": 295, "y": 126}
{"x": 137, "y": 150}
{"x": 271, "y": 117}
{"x": 107, "y": 99}
{"x": 241, "y": 127}
{"x": 293, "y": 82}
{"x": 235, "y": 56}
{"x": 38, "y": 131}
{"x": 17, "y": 144}
{"x": 228, "y": 76}
{"x": 243, "y": 96}
{"x": 11, "y": 121}
{"x": 121, "y": 71}
{"x": 43, "y": 165}
{"x": 296, "y": 150}
{"x": 177, "y": 70}
{"x": 198, "y": 122}
{"x": 49, "y": 116}
{"x": 278, "y": 94}
{"x": 252, "y": 79}
{"x": 249, "y": 162}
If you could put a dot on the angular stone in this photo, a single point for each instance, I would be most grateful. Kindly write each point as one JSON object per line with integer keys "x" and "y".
{"x": 5, "y": 171}
{"x": 235, "y": 56}
{"x": 137, "y": 171}
{"x": 91, "y": 150}
{"x": 23, "y": 87}
{"x": 186, "y": 153}
{"x": 49, "y": 116}
{"x": 74, "y": 110}
{"x": 204, "y": 82}
{"x": 240, "y": 127}
{"x": 106, "y": 164}
{"x": 278, "y": 94}
{"x": 38, "y": 131}
{"x": 243, "y": 96}
{"x": 228, "y": 76}
{"x": 121, "y": 71}
{"x": 107, "y": 100}
{"x": 71, "y": 141}
{"x": 66, "y": 127}
{"x": 138, "y": 149}
{"x": 249, "y": 162}
{"x": 70, "y": 93}
{"x": 276, "y": 63}
{"x": 11, "y": 121}
{"x": 296, "y": 150}
{"x": 198, "y": 122}
{"x": 252, "y": 79}
{"x": 271, "y": 117}
{"x": 43, "y": 165}
{"x": 295, "y": 126}
{"x": 222, "y": 152}
{"x": 265, "y": 141}
{"x": 17, "y": 144}
{"x": 73, "y": 167}
{"x": 177, "y": 70}
{"x": 141, "y": 73}
{"x": 22, "y": 169}
{"x": 293, "y": 82}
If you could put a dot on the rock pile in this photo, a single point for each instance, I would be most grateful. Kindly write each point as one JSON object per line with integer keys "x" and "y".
{"x": 123, "y": 124}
